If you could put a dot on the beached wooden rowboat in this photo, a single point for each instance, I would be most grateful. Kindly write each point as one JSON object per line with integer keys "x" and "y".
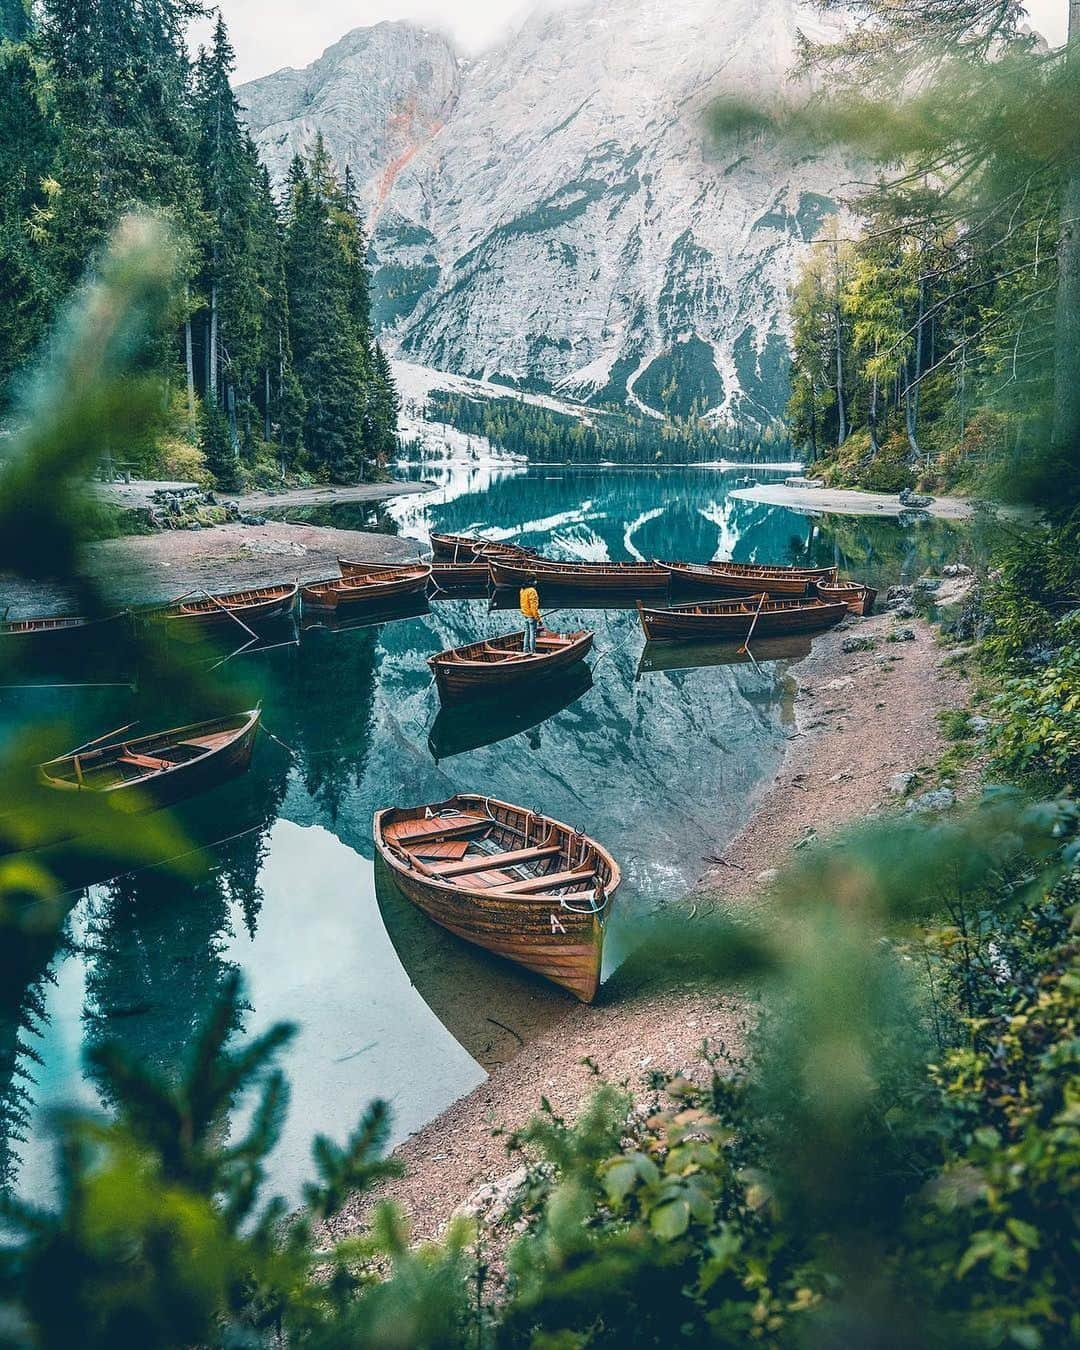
{"x": 162, "y": 768}
{"x": 741, "y": 577}
{"x": 468, "y": 548}
{"x": 858, "y": 597}
{"x": 732, "y": 618}
{"x": 495, "y": 664}
{"x": 515, "y": 882}
{"x": 367, "y": 584}
{"x": 628, "y": 578}
{"x": 212, "y": 613}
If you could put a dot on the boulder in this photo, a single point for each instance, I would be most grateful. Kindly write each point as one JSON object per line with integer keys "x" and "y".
{"x": 901, "y": 635}
{"x": 939, "y": 799}
{"x": 858, "y": 644}
{"x": 914, "y": 500}
{"x": 900, "y": 784}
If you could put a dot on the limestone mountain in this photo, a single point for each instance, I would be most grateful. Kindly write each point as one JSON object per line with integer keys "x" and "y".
{"x": 555, "y": 216}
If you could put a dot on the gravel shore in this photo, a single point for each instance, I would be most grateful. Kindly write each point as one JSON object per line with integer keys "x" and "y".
{"x": 861, "y": 718}
{"x": 156, "y": 568}
{"x": 849, "y": 502}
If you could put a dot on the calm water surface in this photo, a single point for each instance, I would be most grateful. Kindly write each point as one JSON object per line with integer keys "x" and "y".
{"x": 659, "y": 754}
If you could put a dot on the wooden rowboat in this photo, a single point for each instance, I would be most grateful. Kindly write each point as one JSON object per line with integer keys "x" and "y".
{"x": 632, "y": 578}
{"x": 741, "y": 577}
{"x": 162, "y": 768}
{"x": 62, "y": 631}
{"x": 207, "y": 613}
{"x": 470, "y": 576}
{"x": 732, "y": 618}
{"x": 468, "y": 548}
{"x": 515, "y": 882}
{"x": 367, "y": 584}
{"x": 858, "y": 597}
{"x": 501, "y": 664}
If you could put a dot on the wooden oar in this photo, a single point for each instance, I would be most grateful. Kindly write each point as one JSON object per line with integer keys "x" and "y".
{"x": 98, "y": 739}
{"x": 744, "y": 650}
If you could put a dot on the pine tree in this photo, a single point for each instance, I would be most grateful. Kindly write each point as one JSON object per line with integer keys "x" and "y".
{"x": 325, "y": 275}
{"x": 27, "y": 144}
{"x": 216, "y": 443}
{"x": 384, "y": 408}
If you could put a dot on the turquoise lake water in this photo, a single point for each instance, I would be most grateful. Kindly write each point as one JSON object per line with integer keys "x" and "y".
{"x": 660, "y": 756}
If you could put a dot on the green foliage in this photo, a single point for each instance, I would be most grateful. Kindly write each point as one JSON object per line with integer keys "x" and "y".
{"x": 350, "y": 402}
{"x": 1036, "y": 732}
{"x": 545, "y": 436}
{"x": 102, "y": 111}
{"x": 950, "y": 314}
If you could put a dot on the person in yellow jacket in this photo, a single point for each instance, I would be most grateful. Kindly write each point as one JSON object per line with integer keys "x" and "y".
{"x": 529, "y": 602}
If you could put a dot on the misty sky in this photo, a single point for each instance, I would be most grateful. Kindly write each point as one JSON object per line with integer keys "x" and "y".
{"x": 269, "y": 34}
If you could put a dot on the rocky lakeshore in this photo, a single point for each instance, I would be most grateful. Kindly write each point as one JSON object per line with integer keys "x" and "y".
{"x": 245, "y": 549}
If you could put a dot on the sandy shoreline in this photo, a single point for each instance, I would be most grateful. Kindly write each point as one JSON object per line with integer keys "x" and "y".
{"x": 848, "y": 501}
{"x": 860, "y": 718}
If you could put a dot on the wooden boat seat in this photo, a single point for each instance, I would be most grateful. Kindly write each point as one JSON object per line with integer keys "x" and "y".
{"x": 494, "y": 861}
{"x": 551, "y": 882}
{"x": 445, "y": 827}
{"x": 145, "y": 761}
{"x": 444, "y": 849}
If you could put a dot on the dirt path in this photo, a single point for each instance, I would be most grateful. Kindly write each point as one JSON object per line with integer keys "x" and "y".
{"x": 861, "y": 718}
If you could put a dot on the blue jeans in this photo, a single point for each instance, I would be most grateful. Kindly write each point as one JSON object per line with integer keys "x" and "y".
{"x": 529, "y": 644}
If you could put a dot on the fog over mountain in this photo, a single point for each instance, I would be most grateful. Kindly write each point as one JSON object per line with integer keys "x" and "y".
{"x": 554, "y": 214}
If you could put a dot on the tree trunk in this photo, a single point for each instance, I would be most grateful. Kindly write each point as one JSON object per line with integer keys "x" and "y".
{"x": 875, "y": 444}
{"x": 212, "y": 357}
{"x": 841, "y": 434}
{"x": 1066, "y": 434}
{"x": 266, "y": 405}
{"x": 911, "y": 393}
{"x": 189, "y": 367}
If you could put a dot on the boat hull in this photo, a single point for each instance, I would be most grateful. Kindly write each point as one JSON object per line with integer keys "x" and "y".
{"x": 690, "y": 622}
{"x": 460, "y": 548}
{"x": 63, "y": 636}
{"x": 586, "y": 578}
{"x": 717, "y": 579}
{"x": 190, "y": 623}
{"x": 470, "y": 580}
{"x": 858, "y": 597}
{"x": 458, "y": 678}
{"x": 181, "y": 780}
{"x": 355, "y": 593}
{"x": 537, "y": 932}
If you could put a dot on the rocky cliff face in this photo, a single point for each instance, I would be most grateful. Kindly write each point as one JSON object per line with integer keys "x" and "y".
{"x": 555, "y": 216}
